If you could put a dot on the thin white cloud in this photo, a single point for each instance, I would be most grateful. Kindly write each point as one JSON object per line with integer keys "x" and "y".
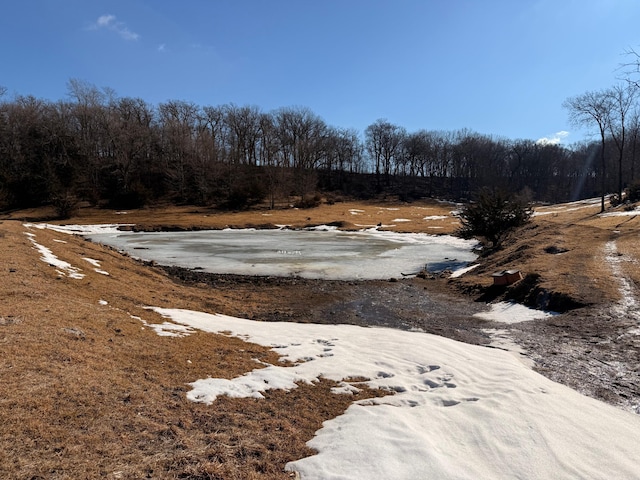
{"x": 554, "y": 139}
{"x": 162, "y": 48}
{"x": 105, "y": 20}
{"x": 110, "y": 22}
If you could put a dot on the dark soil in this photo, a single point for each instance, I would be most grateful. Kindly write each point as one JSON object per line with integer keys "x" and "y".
{"x": 590, "y": 350}
{"x": 586, "y": 348}
{"x": 411, "y": 303}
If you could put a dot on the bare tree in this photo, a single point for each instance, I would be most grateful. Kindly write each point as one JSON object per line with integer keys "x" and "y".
{"x": 131, "y": 134}
{"x": 244, "y": 127}
{"x": 593, "y": 109}
{"x": 178, "y": 121}
{"x": 302, "y": 136}
{"x": 89, "y": 112}
{"x": 622, "y": 98}
{"x": 383, "y": 141}
{"x": 630, "y": 69}
{"x": 634, "y": 134}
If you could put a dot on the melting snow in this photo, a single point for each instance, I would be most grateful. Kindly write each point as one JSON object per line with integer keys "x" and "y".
{"x": 628, "y": 305}
{"x": 166, "y": 329}
{"x": 459, "y": 411}
{"x": 630, "y": 213}
{"x": 510, "y": 312}
{"x": 462, "y": 271}
{"x": 81, "y": 229}
{"x": 96, "y": 263}
{"x": 47, "y": 256}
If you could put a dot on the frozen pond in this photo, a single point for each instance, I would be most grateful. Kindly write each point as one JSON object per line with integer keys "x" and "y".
{"x": 320, "y": 253}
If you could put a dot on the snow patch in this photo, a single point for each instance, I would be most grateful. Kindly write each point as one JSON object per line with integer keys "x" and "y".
{"x": 511, "y": 312}
{"x": 630, "y": 213}
{"x": 459, "y": 411}
{"x": 628, "y": 304}
{"x": 166, "y": 329}
{"x": 462, "y": 271}
{"x": 63, "y": 268}
{"x": 81, "y": 229}
{"x": 96, "y": 263}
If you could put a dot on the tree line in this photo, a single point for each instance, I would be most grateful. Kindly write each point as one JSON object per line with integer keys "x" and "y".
{"x": 123, "y": 152}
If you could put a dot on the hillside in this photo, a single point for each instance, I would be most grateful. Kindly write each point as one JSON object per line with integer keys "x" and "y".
{"x": 90, "y": 390}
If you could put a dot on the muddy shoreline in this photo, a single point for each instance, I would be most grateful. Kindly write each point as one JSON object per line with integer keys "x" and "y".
{"x": 408, "y": 304}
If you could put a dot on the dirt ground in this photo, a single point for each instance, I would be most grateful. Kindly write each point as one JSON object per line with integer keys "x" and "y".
{"x": 90, "y": 391}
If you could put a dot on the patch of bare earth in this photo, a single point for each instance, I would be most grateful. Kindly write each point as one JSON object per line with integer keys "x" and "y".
{"x": 89, "y": 390}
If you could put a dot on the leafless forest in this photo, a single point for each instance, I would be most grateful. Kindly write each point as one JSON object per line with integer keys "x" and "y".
{"x": 122, "y": 152}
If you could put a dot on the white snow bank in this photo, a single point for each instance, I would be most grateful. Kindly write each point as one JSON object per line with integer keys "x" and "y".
{"x": 510, "y": 312}
{"x": 166, "y": 329}
{"x": 461, "y": 411}
{"x": 96, "y": 263}
{"x": 567, "y": 207}
{"x": 81, "y": 229}
{"x": 539, "y": 214}
{"x": 624, "y": 213}
{"x": 47, "y": 256}
{"x": 462, "y": 271}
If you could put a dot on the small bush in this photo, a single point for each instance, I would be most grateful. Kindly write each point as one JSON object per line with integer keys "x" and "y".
{"x": 614, "y": 200}
{"x": 66, "y": 205}
{"x": 136, "y": 197}
{"x": 493, "y": 215}
{"x": 633, "y": 193}
{"x": 309, "y": 202}
{"x": 244, "y": 197}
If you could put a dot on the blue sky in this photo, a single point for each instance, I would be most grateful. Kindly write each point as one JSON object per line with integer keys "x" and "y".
{"x": 498, "y": 67}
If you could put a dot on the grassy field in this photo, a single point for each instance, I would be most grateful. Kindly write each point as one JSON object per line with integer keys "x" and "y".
{"x": 89, "y": 390}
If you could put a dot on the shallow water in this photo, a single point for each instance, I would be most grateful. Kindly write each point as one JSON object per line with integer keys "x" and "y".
{"x": 319, "y": 253}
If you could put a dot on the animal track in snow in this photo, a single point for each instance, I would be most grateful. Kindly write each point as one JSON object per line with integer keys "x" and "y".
{"x": 426, "y": 369}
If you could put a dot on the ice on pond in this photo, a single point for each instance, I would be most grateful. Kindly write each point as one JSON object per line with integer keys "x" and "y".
{"x": 323, "y": 253}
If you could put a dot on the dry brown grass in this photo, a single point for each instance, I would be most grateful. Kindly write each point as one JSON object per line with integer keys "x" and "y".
{"x": 88, "y": 392}
{"x": 567, "y": 249}
{"x": 354, "y": 215}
